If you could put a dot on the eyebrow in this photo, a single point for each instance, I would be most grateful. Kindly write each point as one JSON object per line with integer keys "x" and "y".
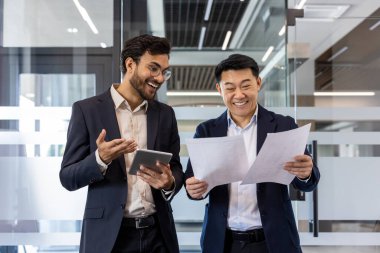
{"x": 245, "y": 80}
{"x": 158, "y": 65}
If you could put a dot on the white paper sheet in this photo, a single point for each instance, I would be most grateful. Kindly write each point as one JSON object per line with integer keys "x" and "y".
{"x": 220, "y": 160}
{"x": 277, "y": 149}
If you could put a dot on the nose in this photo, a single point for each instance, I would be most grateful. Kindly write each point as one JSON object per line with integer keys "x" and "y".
{"x": 239, "y": 93}
{"x": 160, "y": 77}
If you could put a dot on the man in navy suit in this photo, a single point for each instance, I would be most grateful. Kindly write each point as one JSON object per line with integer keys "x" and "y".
{"x": 126, "y": 213}
{"x": 255, "y": 218}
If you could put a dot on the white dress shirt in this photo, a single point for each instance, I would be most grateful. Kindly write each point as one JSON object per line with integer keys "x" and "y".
{"x": 243, "y": 211}
{"x": 132, "y": 125}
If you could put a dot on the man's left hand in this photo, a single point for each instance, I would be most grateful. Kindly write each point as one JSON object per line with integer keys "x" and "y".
{"x": 160, "y": 180}
{"x": 301, "y": 167}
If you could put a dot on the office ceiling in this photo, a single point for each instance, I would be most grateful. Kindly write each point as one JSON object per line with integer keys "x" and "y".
{"x": 254, "y": 26}
{"x": 184, "y": 21}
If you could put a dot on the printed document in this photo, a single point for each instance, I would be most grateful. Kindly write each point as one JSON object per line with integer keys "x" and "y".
{"x": 277, "y": 149}
{"x": 223, "y": 160}
{"x": 219, "y": 160}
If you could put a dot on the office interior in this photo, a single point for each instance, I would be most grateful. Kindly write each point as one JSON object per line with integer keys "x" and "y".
{"x": 319, "y": 61}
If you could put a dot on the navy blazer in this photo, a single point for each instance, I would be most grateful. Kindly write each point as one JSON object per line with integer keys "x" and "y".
{"x": 107, "y": 194}
{"x": 273, "y": 199}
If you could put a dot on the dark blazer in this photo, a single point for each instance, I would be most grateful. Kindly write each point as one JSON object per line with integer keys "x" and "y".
{"x": 273, "y": 199}
{"x": 107, "y": 194}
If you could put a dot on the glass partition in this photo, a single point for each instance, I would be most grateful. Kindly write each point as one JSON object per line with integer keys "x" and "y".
{"x": 336, "y": 88}
{"x": 52, "y": 53}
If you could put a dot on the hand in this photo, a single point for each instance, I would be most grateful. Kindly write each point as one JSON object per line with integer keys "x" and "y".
{"x": 163, "y": 179}
{"x": 110, "y": 150}
{"x": 301, "y": 167}
{"x": 196, "y": 188}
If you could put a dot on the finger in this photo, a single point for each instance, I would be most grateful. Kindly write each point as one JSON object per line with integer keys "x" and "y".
{"x": 164, "y": 168}
{"x": 196, "y": 186}
{"x": 148, "y": 172}
{"x": 101, "y": 137}
{"x": 302, "y": 158}
{"x": 192, "y": 180}
{"x": 298, "y": 164}
{"x": 199, "y": 190}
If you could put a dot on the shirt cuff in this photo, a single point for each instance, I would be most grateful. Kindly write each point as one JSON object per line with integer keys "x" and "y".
{"x": 168, "y": 195}
{"x": 305, "y": 180}
{"x": 102, "y": 166}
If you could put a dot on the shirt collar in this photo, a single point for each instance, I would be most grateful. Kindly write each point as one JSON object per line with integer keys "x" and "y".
{"x": 231, "y": 122}
{"x": 120, "y": 102}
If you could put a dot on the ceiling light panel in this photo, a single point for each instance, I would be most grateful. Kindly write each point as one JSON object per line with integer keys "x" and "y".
{"x": 184, "y": 21}
{"x": 325, "y": 11}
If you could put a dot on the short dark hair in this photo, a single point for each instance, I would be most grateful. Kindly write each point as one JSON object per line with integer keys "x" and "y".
{"x": 236, "y": 62}
{"x": 137, "y": 46}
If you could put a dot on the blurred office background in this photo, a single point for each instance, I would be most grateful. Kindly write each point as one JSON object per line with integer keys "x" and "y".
{"x": 319, "y": 59}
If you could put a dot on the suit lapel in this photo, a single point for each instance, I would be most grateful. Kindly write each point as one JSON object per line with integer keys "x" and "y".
{"x": 220, "y": 126}
{"x": 265, "y": 125}
{"x": 108, "y": 118}
{"x": 153, "y": 116}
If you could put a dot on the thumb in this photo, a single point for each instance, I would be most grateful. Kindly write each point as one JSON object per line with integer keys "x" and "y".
{"x": 101, "y": 137}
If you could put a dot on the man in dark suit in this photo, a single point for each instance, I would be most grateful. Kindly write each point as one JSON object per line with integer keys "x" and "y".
{"x": 126, "y": 213}
{"x": 255, "y": 218}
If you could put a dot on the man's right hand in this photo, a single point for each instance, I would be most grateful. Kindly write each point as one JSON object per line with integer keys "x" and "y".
{"x": 196, "y": 188}
{"x": 110, "y": 150}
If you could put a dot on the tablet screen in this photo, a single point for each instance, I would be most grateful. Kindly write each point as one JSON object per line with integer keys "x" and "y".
{"x": 148, "y": 158}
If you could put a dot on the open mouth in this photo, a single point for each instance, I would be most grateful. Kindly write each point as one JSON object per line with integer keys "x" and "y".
{"x": 152, "y": 85}
{"x": 241, "y": 103}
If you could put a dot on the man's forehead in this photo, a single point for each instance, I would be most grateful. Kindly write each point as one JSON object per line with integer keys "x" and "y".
{"x": 159, "y": 59}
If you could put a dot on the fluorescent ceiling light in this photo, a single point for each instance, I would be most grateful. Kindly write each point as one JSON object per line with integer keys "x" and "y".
{"x": 202, "y": 38}
{"x": 282, "y": 31}
{"x": 226, "y": 40}
{"x": 72, "y": 30}
{"x": 192, "y": 93}
{"x": 373, "y": 27}
{"x": 208, "y": 10}
{"x": 103, "y": 45}
{"x": 301, "y": 4}
{"x": 341, "y": 51}
{"x": 267, "y": 53}
{"x": 344, "y": 93}
{"x": 324, "y": 11}
{"x": 85, "y": 16}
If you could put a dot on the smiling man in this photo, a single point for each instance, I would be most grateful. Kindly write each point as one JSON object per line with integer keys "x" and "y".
{"x": 256, "y": 218}
{"x": 126, "y": 213}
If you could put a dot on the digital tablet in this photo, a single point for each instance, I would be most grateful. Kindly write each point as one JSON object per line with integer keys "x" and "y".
{"x": 148, "y": 158}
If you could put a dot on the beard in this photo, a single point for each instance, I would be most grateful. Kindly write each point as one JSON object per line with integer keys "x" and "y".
{"x": 139, "y": 84}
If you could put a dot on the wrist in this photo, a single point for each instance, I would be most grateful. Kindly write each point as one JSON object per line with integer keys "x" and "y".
{"x": 170, "y": 185}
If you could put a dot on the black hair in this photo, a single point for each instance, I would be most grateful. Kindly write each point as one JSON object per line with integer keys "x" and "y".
{"x": 137, "y": 46}
{"x": 236, "y": 62}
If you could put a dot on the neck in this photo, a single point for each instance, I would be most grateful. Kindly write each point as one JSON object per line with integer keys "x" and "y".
{"x": 130, "y": 94}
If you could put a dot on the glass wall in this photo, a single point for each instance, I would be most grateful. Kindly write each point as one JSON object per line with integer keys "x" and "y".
{"x": 336, "y": 88}
{"x": 56, "y": 52}
{"x": 53, "y": 53}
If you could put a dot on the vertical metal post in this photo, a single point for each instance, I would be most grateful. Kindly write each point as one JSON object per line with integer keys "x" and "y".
{"x": 315, "y": 194}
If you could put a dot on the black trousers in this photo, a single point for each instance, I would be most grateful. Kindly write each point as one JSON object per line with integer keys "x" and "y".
{"x": 139, "y": 240}
{"x": 232, "y": 245}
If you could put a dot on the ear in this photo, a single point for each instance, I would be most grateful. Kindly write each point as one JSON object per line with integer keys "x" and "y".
{"x": 217, "y": 86}
{"x": 129, "y": 64}
{"x": 259, "y": 82}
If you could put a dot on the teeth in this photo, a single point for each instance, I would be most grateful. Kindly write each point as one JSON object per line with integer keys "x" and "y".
{"x": 153, "y": 85}
{"x": 239, "y": 103}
